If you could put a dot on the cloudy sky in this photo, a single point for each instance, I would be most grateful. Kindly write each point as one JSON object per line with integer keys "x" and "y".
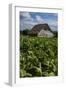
{"x": 29, "y": 19}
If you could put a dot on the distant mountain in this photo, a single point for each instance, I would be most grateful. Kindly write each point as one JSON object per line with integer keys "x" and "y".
{"x": 40, "y": 30}
{"x": 39, "y": 27}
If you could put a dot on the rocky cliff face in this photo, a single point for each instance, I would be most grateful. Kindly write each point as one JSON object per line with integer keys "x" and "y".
{"x": 45, "y": 33}
{"x": 39, "y": 27}
{"x": 42, "y": 30}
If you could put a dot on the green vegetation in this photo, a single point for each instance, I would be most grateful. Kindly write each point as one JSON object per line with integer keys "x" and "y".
{"x": 38, "y": 56}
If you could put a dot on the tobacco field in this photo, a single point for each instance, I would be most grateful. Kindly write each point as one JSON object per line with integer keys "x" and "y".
{"x": 38, "y": 56}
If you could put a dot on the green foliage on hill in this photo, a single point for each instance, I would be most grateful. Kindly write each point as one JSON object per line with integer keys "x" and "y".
{"x": 38, "y": 56}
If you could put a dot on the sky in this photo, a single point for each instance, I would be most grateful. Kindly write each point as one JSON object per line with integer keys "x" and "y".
{"x": 30, "y": 19}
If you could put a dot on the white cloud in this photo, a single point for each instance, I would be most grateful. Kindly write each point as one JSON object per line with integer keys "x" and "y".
{"x": 39, "y": 19}
{"x": 25, "y": 26}
{"x": 25, "y": 14}
{"x": 28, "y": 22}
{"x": 55, "y": 14}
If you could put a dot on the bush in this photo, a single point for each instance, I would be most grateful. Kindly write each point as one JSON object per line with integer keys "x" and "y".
{"x": 25, "y": 32}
